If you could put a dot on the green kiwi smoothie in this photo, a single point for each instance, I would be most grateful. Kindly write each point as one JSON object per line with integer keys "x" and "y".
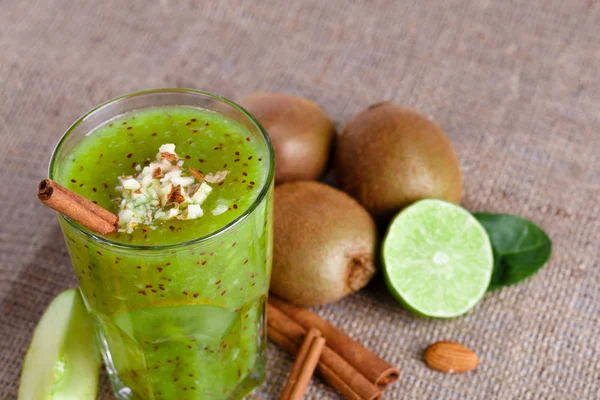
{"x": 178, "y": 294}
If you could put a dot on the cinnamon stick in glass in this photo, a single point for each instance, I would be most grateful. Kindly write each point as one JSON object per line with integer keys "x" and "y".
{"x": 374, "y": 368}
{"x": 93, "y": 207}
{"x": 78, "y": 208}
{"x": 334, "y": 369}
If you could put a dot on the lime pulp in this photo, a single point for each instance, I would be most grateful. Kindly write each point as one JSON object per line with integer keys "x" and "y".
{"x": 437, "y": 259}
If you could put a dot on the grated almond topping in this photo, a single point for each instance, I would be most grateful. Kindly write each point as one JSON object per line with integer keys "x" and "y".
{"x": 218, "y": 177}
{"x": 161, "y": 191}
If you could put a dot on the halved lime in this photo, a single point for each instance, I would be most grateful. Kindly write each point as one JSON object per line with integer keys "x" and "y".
{"x": 437, "y": 259}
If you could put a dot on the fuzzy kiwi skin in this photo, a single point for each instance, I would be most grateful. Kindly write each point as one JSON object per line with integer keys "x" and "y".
{"x": 388, "y": 157}
{"x": 300, "y": 131}
{"x": 324, "y": 244}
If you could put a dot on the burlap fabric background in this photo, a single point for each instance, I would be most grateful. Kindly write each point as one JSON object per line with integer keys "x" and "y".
{"x": 514, "y": 83}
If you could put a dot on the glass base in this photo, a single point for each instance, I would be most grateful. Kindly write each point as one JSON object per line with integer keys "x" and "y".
{"x": 245, "y": 387}
{"x": 220, "y": 356}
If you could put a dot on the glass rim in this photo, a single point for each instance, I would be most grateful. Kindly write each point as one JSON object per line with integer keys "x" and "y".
{"x": 225, "y": 228}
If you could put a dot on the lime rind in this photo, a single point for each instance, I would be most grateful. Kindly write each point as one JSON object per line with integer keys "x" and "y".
{"x": 437, "y": 259}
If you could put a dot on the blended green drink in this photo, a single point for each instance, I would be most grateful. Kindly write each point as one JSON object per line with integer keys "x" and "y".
{"x": 178, "y": 294}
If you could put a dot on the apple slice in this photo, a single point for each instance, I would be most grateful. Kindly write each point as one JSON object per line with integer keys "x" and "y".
{"x": 63, "y": 360}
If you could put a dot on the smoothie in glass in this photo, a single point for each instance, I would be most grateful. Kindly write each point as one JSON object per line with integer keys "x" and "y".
{"x": 178, "y": 294}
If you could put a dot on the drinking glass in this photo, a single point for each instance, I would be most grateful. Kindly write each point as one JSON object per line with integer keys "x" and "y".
{"x": 185, "y": 320}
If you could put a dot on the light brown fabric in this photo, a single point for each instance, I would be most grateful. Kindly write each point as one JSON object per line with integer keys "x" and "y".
{"x": 515, "y": 84}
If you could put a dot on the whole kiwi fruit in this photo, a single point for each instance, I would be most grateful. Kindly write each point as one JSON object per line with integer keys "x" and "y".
{"x": 324, "y": 244}
{"x": 389, "y": 156}
{"x": 300, "y": 131}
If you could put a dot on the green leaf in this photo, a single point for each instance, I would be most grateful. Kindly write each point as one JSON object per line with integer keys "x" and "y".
{"x": 520, "y": 247}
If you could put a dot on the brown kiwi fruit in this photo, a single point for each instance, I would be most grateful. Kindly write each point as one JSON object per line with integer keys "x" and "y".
{"x": 388, "y": 157}
{"x": 300, "y": 131}
{"x": 324, "y": 244}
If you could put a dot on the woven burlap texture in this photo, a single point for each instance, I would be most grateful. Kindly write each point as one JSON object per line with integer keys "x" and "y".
{"x": 515, "y": 84}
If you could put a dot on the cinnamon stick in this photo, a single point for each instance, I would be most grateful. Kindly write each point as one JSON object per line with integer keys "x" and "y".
{"x": 76, "y": 207}
{"x": 304, "y": 366}
{"x": 328, "y": 375}
{"x": 335, "y": 370}
{"x": 93, "y": 207}
{"x": 308, "y": 369}
{"x": 374, "y": 368}
{"x": 299, "y": 363}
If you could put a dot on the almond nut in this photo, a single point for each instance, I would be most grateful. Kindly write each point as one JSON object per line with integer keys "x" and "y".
{"x": 451, "y": 357}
